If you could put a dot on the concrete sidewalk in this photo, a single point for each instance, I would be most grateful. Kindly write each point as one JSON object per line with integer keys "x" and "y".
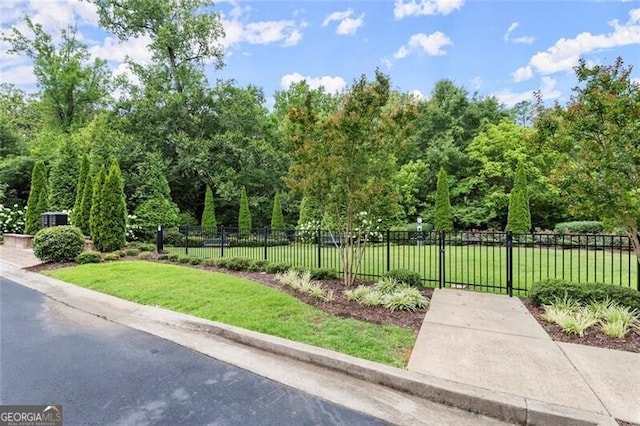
{"x": 492, "y": 341}
{"x": 22, "y": 258}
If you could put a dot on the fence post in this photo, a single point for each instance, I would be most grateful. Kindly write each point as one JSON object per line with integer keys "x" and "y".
{"x": 509, "y": 246}
{"x": 186, "y": 240}
{"x": 388, "y": 250}
{"x": 318, "y": 237}
{"x": 441, "y": 259}
{"x": 159, "y": 239}
{"x": 222, "y": 241}
{"x": 266, "y": 237}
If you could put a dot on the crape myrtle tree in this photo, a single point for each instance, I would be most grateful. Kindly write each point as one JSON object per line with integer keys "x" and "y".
{"x": 597, "y": 133}
{"x": 519, "y": 218}
{"x": 37, "y": 204}
{"x": 346, "y": 161}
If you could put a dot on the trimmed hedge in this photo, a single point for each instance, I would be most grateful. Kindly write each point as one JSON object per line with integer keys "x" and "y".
{"x": 547, "y": 291}
{"x": 58, "y": 244}
{"x": 89, "y": 257}
{"x": 580, "y": 227}
{"x": 404, "y": 276}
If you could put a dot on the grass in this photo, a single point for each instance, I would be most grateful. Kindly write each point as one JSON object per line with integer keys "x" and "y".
{"x": 242, "y": 303}
{"x": 483, "y": 266}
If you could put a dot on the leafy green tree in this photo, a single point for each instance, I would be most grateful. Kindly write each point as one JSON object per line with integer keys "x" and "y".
{"x": 443, "y": 218}
{"x": 82, "y": 179}
{"x": 10, "y": 144}
{"x": 412, "y": 186}
{"x": 519, "y": 219}
{"x": 113, "y": 224}
{"x": 277, "y": 219}
{"x": 597, "y": 134}
{"x": 63, "y": 178}
{"x": 496, "y": 153}
{"x": 82, "y": 218}
{"x": 72, "y": 85}
{"x": 346, "y": 161}
{"x": 209, "y": 213}
{"x": 97, "y": 207}
{"x": 38, "y": 198}
{"x": 151, "y": 181}
{"x": 244, "y": 216}
{"x": 15, "y": 175}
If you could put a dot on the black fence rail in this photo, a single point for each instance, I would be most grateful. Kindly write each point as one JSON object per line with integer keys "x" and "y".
{"x": 487, "y": 261}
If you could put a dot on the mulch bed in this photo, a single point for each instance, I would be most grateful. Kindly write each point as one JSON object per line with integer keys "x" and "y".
{"x": 344, "y": 308}
{"x": 592, "y": 337}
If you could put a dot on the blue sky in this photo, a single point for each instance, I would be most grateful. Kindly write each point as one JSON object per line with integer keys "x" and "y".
{"x": 501, "y": 48}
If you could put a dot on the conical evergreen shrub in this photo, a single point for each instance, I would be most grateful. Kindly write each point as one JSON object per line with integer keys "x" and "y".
{"x": 113, "y": 225}
{"x": 82, "y": 179}
{"x": 519, "y": 218}
{"x": 208, "y": 222}
{"x": 38, "y": 199}
{"x": 277, "y": 219}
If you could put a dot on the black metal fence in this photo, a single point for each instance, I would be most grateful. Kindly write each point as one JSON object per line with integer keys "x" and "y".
{"x": 488, "y": 261}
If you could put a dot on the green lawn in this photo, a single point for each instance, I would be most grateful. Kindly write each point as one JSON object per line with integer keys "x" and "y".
{"x": 481, "y": 265}
{"x": 241, "y": 303}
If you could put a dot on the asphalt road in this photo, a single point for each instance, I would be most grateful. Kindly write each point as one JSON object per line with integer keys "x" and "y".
{"x": 102, "y": 373}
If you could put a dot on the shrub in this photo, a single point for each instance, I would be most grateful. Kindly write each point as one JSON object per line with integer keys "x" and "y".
{"x": 173, "y": 237}
{"x": 112, "y": 256}
{"x": 258, "y": 265}
{"x": 146, "y": 247}
{"x": 153, "y": 212}
{"x": 163, "y": 257}
{"x": 386, "y": 285}
{"x": 404, "y": 299}
{"x": 82, "y": 179}
{"x": 323, "y": 274}
{"x": 443, "y": 217}
{"x": 277, "y": 219}
{"x": 174, "y": 257}
{"x": 63, "y": 177}
{"x": 210, "y": 262}
{"x": 121, "y": 253}
{"x": 184, "y": 259}
{"x": 209, "y": 213}
{"x": 580, "y": 227}
{"x": 89, "y": 257}
{"x": 358, "y": 293}
{"x": 404, "y": 276}
{"x": 112, "y": 223}
{"x": 11, "y": 220}
{"x": 58, "y": 243}
{"x": 547, "y": 291}
{"x": 146, "y": 255}
{"x": 238, "y": 263}
{"x": 194, "y": 241}
{"x": 195, "y": 260}
{"x": 95, "y": 208}
{"x": 277, "y": 267}
{"x": 132, "y": 252}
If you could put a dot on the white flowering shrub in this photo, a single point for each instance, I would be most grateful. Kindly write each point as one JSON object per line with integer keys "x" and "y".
{"x": 366, "y": 227}
{"x": 308, "y": 232}
{"x": 12, "y": 219}
{"x": 134, "y": 230}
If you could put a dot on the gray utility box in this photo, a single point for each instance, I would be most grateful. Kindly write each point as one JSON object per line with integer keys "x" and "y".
{"x": 54, "y": 219}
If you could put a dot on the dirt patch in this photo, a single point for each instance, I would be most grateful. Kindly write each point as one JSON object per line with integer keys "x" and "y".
{"x": 592, "y": 337}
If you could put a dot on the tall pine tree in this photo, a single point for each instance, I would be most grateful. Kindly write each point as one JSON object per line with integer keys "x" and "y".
{"x": 113, "y": 224}
{"x": 209, "y": 223}
{"x": 82, "y": 179}
{"x": 519, "y": 219}
{"x": 63, "y": 178}
{"x": 96, "y": 210}
{"x": 277, "y": 219}
{"x": 37, "y": 204}
{"x": 244, "y": 216}
{"x": 443, "y": 218}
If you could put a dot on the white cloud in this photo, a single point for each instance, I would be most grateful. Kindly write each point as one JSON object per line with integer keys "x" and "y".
{"x": 113, "y": 49}
{"x": 288, "y": 32}
{"x": 331, "y": 84}
{"x": 403, "y": 9}
{"x": 476, "y": 82}
{"x": 346, "y": 24}
{"x": 565, "y": 53}
{"x": 547, "y": 89}
{"x": 432, "y": 44}
{"x": 417, "y": 95}
{"x": 522, "y": 74}
{"x": 521, "y": 39}
{"x": 20, "y": 75}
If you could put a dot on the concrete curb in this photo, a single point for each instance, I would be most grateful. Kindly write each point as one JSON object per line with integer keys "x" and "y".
{"x": 499, "y": 405}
